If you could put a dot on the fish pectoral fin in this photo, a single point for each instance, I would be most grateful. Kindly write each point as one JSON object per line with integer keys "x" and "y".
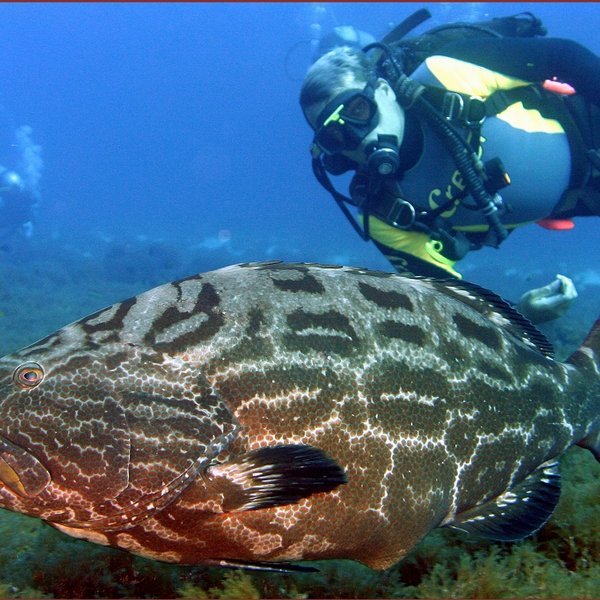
{"x": 274, "y": 567}
{"x": 275, "y": 476}
{"x": 518, "y": 512}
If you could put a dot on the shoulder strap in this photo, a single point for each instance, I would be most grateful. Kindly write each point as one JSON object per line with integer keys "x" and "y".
{"x": 413, "y": 50}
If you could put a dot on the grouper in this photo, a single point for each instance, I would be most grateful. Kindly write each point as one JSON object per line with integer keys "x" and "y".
{"x": 268, "y": 413}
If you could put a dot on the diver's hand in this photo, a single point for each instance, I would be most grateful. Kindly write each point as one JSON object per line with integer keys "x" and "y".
{"x": 548, "y": 302}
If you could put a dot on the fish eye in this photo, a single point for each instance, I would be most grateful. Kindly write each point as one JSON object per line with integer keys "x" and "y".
{"x": 28, "y": 375}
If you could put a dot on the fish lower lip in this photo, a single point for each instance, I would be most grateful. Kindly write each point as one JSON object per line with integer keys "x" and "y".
{"x": 20, "y": 471}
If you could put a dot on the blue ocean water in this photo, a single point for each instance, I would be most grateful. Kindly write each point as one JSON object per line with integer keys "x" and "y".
{"x": 181, "y": 122}
{"x": 167, "y": 138}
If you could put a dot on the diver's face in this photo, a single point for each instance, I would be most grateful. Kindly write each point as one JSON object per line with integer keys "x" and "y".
{"x": 355, "y": 118}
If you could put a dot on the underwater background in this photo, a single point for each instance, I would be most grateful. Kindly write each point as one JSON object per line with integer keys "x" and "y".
{"x": 167, "y": 139}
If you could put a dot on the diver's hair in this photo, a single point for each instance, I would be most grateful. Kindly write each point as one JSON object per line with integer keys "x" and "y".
{"x": 334, "y": 72}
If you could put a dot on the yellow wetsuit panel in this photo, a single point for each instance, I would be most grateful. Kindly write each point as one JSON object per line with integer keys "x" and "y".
{"x": 410, "y": 242}
{"x": 467, "y": 78}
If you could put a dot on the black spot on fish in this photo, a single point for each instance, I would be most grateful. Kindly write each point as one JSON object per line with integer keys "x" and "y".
{"x": 256, "y": 318}
{"x": 301, "y": 320}
{"x": 252, "y": 344}
{"x": 206, "y": 302}
{"x": 385, "y": 299}
{"x": 474, "y": 331}
{"x": 307, "y": 283}
{"x": 319, "y": 331}
{"x": 114, "y": 323}
{"x": 112, "y": 337}
{"x": 495, "y": 371}
{"x": 193, "y": 337}
{"x": 454, "y": 354}
{"x": 402, "y": 331}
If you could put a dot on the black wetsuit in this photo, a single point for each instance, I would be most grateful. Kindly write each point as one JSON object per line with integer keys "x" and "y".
{"x": 545, "y": 154}
{"x": 16, "y": 209}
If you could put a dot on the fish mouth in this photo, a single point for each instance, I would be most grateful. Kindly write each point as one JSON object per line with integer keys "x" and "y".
{"x": 21, "y": 472}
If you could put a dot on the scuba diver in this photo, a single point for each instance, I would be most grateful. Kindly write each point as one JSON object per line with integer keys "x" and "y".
{"x": 458, "y": 136}
{"x": 19, "y": 187}
{"x": 17, "y": 205}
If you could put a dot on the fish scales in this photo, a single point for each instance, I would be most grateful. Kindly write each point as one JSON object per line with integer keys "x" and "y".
{"x": 273, "y": 412}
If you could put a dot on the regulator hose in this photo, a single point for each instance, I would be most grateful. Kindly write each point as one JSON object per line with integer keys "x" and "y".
{"x": 410, "y": 96}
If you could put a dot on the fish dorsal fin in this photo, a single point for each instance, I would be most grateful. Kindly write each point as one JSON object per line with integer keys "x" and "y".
{"x": 496, "y": 309}
{"x": 518, "y": 512}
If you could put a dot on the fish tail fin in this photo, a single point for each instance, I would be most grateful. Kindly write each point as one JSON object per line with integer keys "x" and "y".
{"x": 587, "y": 357}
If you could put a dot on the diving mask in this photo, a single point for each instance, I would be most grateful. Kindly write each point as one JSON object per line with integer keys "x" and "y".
{"x": 345, "y": 122}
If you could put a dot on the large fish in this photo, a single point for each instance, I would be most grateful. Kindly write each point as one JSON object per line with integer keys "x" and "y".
{"x": 266, "y": 413}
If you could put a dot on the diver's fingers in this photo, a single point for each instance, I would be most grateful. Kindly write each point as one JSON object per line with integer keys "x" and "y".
{"x": 567, "y": 287}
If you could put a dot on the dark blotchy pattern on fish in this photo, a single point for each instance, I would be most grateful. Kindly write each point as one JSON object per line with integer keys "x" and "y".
{"x": 397, "y": 405}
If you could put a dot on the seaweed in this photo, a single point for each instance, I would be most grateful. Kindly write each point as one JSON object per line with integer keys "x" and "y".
{"x": 233, "y": 585}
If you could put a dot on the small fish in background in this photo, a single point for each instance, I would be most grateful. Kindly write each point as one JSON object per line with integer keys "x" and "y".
{"x": 267, "y": 413}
